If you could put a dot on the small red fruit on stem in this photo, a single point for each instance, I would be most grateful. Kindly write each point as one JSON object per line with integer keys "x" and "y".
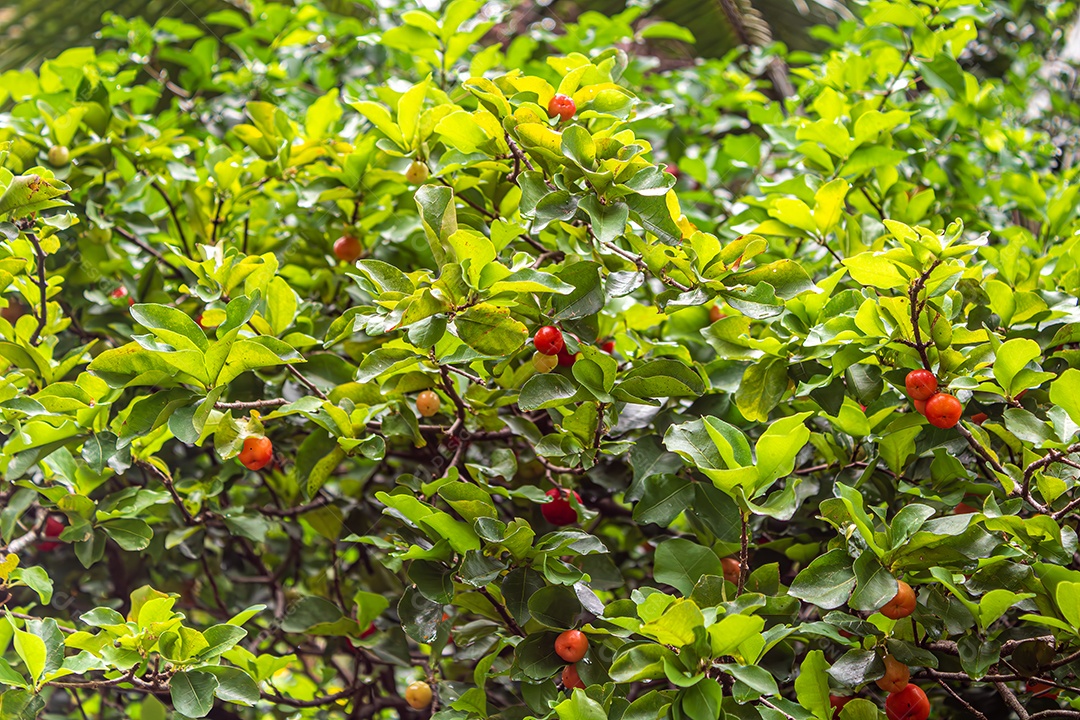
{"x": 838, "y": 702}
{"x": 53, "y": 527}
{"x": 902, "y": 604}
{"x": 347, "y": 249}
{"x": 910, "y": 703}
{"x": 571, "y": 679}
{"x": 572, "y": 645}
{"x": 256, "y": 452}
{"x": 896, "y": 677}
{"x": 562, "y": 106}
{"x": 920, "y": 384}
{"x": 732, "y": 570}
{"x": 559, "y": 511}
{"x": 943, "y": 411}
{"x": 566, "y": 359}
{"x": 549, "y": 340}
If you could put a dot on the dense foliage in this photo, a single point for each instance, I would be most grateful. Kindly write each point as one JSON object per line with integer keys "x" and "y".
{"x": 279, "y": 440}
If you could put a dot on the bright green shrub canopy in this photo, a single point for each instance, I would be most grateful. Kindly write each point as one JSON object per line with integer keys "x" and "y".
{"x": 743, "y": 280}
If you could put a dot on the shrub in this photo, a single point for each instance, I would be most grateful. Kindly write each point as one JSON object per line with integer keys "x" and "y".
{"x": 245, "y": 476}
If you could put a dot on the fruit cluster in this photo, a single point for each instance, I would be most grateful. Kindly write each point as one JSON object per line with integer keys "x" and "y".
{"x": 572, "y": 646}
{"x": 941, "y": 409}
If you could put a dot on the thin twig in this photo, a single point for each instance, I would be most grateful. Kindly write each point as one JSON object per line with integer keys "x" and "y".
{"x": 189, "y": 519}
{"x": 511, "y": 623}
{"x": 43, "y": 286}
{"x": 175, "y": 217}
{"x": 130, "y": 237}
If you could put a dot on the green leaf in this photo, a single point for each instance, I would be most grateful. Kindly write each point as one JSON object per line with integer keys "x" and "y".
{"x": 827, "y": 581}
{"x": 1011, "y": 357}
{"x": 828, "y": 202}
{"x": 439, "y": 216}
{"x": 130, "y": 534}
{"x": 490, "y": 330}
{"x": 27, "y": 194}
{"x": 192, "y": 692}
{"x": 679, "y": 563}
{"x": 31, "y": 649}
{"x": 812, "y": 685}
{"x": 875, "y": 270}
{"x": 763, "y": 386}
{"x": 546, "y": 391}
{"x": 1065, "y": 393}
{"x": 664, "y": 499}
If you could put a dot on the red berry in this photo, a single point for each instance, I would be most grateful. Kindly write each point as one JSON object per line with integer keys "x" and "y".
{"x": 257, "y": 452}
{"x": 549, "y": 340}
{"x": 964, "y": 509}
{"x": 53, "y": 527}
{"x": 347, "y": 248}
{"x": 902, "y": 604}
{"x": 979, "y": 418}
{"x": 608, "y": 346}
{"x": 566, "y": 359}
{"x": 571, "y": 645}
{"x": 838, "y": 702}
{"x": 563, "y": 106}
{"x": 910, "y": 703}
{"x": 921, "y": 384}
{"x": 119, "y": 292}
{"x": 571, "y": 679}
{"x": 920, "y": 406}
{"x": 943, "y": 411}
{"x": 896, "y": 677}
{"x": 672, "y": 168}
{"x": 715, "y": 313}
{"x": 732, "y": 570}
{"x": 371, "y": 630}
{"x": 558, "y": 510}
{"x": 1041, "y": 689}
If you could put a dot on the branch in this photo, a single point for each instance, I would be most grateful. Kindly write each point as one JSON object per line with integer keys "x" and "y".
{"x": 916, "y": 310}
{"x": 175, "y": 217}
{"x": 251, "y": 404}
{"x": 307, "y": 383}
{"x": 43, "y": 286}
{"x": 315, "y": 504}
{"x": 175, "y": 271}
{"x": 503, "y": 613}
{"x": 189, "y": 519}
{"x": 470, "y": 203}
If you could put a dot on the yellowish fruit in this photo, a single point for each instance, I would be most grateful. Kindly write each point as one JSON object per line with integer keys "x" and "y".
{"x": 427, "y": 403}
{"x": 418, "y": 695}
{"x": 417, "y": 172}
{"x": 545, "y": 363}
{"x": 59, "y": 155}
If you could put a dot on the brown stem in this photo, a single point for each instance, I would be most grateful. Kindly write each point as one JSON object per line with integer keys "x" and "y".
{"x": 43, "y": 286}
{"x": 130, "y": 237}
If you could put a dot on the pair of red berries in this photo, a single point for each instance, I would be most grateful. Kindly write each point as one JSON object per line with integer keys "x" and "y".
{"x": 548, "y": 340}
{"x": 571, "y": 646}
{"x": 941, "y": 409}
